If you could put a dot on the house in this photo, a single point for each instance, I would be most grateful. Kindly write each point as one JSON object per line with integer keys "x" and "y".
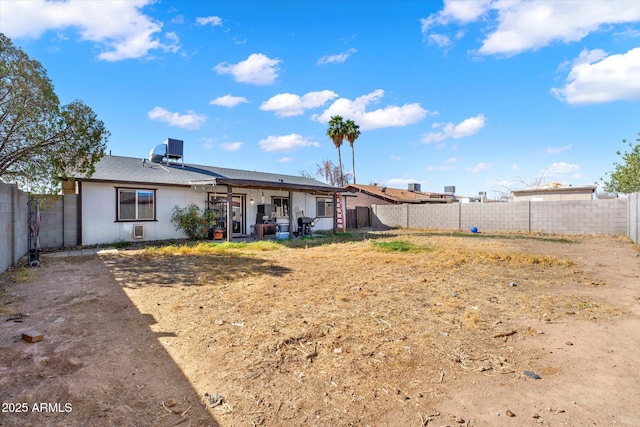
{"x": 367, "y": 195}
{"x": 362, "y": 197}
{"x": 553, "y": 192}
{"x": 133, "y": 198}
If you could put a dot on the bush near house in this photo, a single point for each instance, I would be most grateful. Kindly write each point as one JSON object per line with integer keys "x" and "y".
{"x": 195, "y": 223}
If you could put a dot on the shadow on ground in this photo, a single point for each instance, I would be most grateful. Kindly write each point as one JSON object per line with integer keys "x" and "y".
{"x": 99, "y": 364}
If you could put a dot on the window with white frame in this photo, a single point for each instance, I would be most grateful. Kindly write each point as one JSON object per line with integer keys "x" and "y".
{"x": 282, "y": 206}
{"x": 324, "y": 208}
{"x": 136, "y": 205}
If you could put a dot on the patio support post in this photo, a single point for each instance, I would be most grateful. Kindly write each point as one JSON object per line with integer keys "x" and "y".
{"x": 229, "y": 212}
{"x": 335, "y": 213}
{"x": 290, "y": 215}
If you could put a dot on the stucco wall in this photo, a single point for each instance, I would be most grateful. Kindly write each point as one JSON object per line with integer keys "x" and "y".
{"x": 13, "y": 225}
{"x": 99, "y": 224}
{"x": 564, "y": 217}
{"x": 633, "y": 227}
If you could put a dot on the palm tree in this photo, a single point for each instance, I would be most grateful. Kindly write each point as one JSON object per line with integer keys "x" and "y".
{"x": 336, "y": 133}
{"x": 351, "y": 133}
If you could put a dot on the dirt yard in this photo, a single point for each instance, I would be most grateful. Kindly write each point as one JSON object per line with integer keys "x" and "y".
{"x": 397, "y": 329}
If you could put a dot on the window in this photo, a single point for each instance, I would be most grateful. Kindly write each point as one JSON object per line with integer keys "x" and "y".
{"x": 282, "y": 206}
{"x": 324, "y": 208}
{"x": 136, "y": 205}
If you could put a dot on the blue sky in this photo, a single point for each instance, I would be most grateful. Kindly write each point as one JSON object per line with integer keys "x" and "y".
{"x": 483, "y": 95}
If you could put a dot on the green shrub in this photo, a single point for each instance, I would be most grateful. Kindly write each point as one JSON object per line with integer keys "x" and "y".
{"x": 195, "y": 223}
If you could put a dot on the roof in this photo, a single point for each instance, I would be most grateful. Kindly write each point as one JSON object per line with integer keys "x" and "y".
{"x": 555, "y": 188}
{"x": 132, "y": 170}
{"x": 397, "y": 195}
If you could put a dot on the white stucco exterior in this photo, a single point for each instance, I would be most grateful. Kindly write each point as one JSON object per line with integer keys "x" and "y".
{"x": 98, "y": 209}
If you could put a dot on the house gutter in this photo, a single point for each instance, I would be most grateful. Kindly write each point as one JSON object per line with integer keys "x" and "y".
{"x": 247, "y": 183}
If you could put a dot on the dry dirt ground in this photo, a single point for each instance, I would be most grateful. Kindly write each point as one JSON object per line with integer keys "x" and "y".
{"x": 405, "y": 328}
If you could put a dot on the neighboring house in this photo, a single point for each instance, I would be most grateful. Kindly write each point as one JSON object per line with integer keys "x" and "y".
{"x": 367, "y": 195}
{"x": 554, "y": 192}
{"x": 133, "y": 198}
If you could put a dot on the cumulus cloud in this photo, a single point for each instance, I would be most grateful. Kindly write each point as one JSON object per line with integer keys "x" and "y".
{"x": 231, "y": 146}
{"x": 482, "y": 166}
{"x": 467, "y": 127}
{"x": 286, "y": 142}
{"x": 285, "y": 160}
{"x": 556, "y": 150}
{"x": 228, "y": 101}
{"x": 191, "y": 120}
{"x": 523, "y": 25}
{"x": 598, "y": 78}
{"x": 389, "y": 116}
{"x": 257, "y": 69}
{"x": 559, "y": 169}
{"x": 120, "y": 28}
{"x": 214, "y": 21}
{"x": 432, "y": 168}
{"x": 337, "y": 59}
{"x": 289, "y": 104}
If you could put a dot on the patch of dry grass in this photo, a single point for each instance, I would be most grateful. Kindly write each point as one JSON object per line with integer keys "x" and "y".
{"x": 349, "y": 319}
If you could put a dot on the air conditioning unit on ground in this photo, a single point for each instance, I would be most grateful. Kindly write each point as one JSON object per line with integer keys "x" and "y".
{"x": 138, "y": 231}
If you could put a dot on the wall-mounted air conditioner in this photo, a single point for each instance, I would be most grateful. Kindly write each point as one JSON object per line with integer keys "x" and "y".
{"x": 138, "y": 231}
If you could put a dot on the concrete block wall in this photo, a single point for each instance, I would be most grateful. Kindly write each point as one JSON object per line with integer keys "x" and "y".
{"x": 70, "y": 224}
{"x": 607, "y": 216}
{"x": 58, "y": 228}
{"x": 444, "y": 217}
{"x": 51, "y": 224}
{"x": 633, "y": 225}
{"x": 384, "y": 216}
{"x": 495, "y": 216}
{"x": 14, "y": 229}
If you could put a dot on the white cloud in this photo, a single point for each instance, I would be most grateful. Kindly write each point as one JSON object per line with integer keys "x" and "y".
{"x": 441, "y": 40}
{"x": 286, "y": 142}
{"x": 482, "y": 166}
{"x": 467, "y": 127}
{"x": 523, "y": 25}
{"x": 559, "y": 169}
{"x": 337, "y": 59}
{"x": 119, "y": 28}
{"x": 257, "y": 69}
{"x": 289, "y": 104}
{"x": 214, "y": 21}
{"x": 389, "y": 116}
{"x": 394, "y": 157}
{"x": 191, "y": 120}
{"x": 285, "y": 160}
{"x": 228, "y": 101}
{"x": 515, "y": 167}
{"x": 453, "y": 160}
{"x": 556, "y": 150}
{"x": 231, "y": 146}
{"x": 431, "y": 168}
{"x": 597, "y": 78}
{"x": 461, "y": 11}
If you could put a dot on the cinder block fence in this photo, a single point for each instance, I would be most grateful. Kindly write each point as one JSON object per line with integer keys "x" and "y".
{"x": 608, "y": 216}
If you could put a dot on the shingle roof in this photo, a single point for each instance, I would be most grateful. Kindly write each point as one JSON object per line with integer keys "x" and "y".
{"x": 396, "y": 194}
{"x": 137, "y": 170}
